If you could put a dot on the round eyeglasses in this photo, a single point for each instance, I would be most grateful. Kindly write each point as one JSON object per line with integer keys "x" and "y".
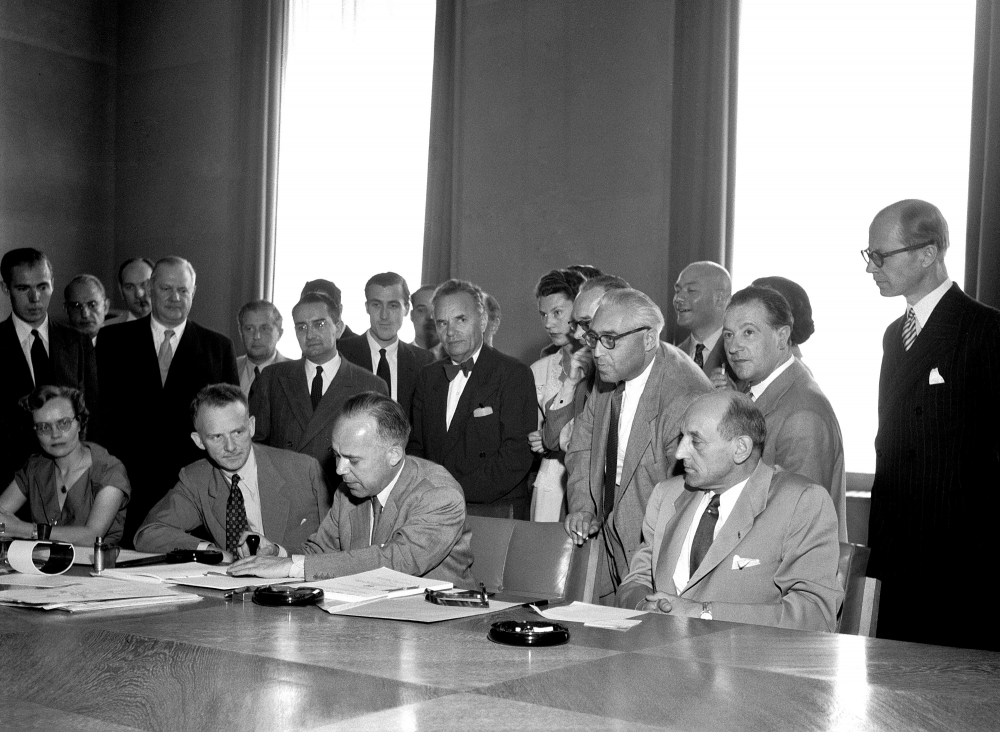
{"x": 60, "y": 425}
{"x": 608, "y": 340}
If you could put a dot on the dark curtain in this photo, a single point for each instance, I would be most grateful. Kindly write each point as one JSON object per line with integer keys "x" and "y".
{"x": 265, "y": 31}
{"x": 703, "y": 129}
{"x": 982, "y": 258}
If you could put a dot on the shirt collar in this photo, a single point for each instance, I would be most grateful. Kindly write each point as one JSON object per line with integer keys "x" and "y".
{"x": 24, "y": 329}
{"x": 330, "y": 368}
{"x": 636, "y": 385}
{"x": 375, "y": 346}
{"x": 709, "y": 342}
{"x": 249, "y": 468}
{"x": 928, "y": 302}
{"x": 756, "y": 391}
{"x": 475, "y": 356}
{"x": 383, "y": 495}
{"x": 727, "y": 499}
{"x": 159, "y": 329}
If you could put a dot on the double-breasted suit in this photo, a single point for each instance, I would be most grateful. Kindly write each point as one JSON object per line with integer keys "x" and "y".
{"x": 774, "y": 561}
{"x": 282, "y": 408}
{"x": 409, "y": 361}
{"x": 148, "y": 422}
{"x": 486, "y": 447}
{"x": 674, "y": 382}
{"x": 71, "y": 358}
{"x": 937, "y": 458}
{"x": 293, "y": 500}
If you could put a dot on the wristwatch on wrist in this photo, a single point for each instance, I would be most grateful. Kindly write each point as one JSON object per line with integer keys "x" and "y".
{"x": 706, "y": 611}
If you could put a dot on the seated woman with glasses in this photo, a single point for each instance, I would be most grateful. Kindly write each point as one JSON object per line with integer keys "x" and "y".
{"x": 75, "y": 487}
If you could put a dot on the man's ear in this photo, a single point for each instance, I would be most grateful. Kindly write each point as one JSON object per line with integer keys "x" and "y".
{"x": 743, "y": 449}
{"x": 650, "y": 340}
{"x": 396, "y": 454}
{"x": 197, "y": 440}
{"x": 784, "y": 333}
{"x": 253, "y": 427}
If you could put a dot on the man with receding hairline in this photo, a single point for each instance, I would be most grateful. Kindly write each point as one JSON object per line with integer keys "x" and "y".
{"x": 86, "y": 305}
{"x": 701, "y": 294}
{"x": 133, "y": 283}
{"x": 260, "y": 331}
{"x": 937, "y": 451}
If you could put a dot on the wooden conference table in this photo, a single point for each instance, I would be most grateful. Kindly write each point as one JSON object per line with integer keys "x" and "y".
{"x": 236, "y": 666}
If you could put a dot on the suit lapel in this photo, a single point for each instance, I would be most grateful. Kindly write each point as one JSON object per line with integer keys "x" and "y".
{"x": 769, "y": 400}
{"x": 218, "y": 492}
{"x": 675, "y": 525}
{"x": 293, "y": 384}
{"x": 273, "y": 501}
{"x": 749, "y": 505}
{"x": 361, "y": 526}
{"x": 641, "y": 433}
{"x": 390, "y": 512}
{"x": 21, "y": 372}
{"x": 338, "y": 391}
{"x": 187, "y": 356}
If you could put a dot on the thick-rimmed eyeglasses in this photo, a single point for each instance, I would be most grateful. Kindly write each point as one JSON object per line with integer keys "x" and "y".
{"x": 878, "y": 258}
{"x": 60, "y": 425}
{"x": 608, "y": 340}
{"x": 582, "y": 324}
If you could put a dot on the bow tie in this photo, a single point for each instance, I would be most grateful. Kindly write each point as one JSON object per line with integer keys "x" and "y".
{"x": 451, "y": 369}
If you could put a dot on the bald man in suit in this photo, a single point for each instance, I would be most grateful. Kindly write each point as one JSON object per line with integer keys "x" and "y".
{"x": 701, "y": 294}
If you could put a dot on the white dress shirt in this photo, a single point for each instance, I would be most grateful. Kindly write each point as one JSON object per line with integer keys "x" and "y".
{"x": 756, "y": 391}
{"x": 247, "y": 376}
{"x": 727, "y": 499}
{"x": 330, "y": 369}
{"x": 925, "y": 306}
{"x": 456, "y": 387}
{"x": 709, "y": 343}
{"x": 160, "y": 332}
{"x": 391, "y": 357}
{"x": 630, "y": 403}
{"x": 24, "y": 337}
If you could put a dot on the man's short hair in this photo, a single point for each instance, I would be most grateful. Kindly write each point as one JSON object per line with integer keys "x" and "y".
{"x": 743, "y": 417}
{"x": 559, "y": 282}
{"x": 455, "y": 287}
{"x": 588, "y": 271}
{"x": 798, "y": 301}
{"x": 423, "y": 288}
{"x": 389, "y": 279}
{"x": 779, "y": 312}
{"x": 81, "y": 278}
{"x": 329, "y": 289}
{"x": 46, "y": 393}
{"x": 605, "y": 283}
{"x": 391, "y": 425}
{"x": 317, "y": 297}
{"x": 919, "y": 223}
{"x": 174, "y": 261}
{"x": 217, "y": 395}
{"x": 23, "y": 257}
{"x": 121, "y": 269}
{"x": 260, "y": 306}
{"x": 493, "y": 311}
{"x": 639, "y": 305}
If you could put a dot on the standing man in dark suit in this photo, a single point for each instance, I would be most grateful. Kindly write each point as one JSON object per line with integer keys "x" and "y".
{"x": 295, "y": 403}
{"x": 624, "y": 440}
{"x": 701, "y": 294}
{"x": 328, "y": 288}
{"x": 35, "y": 350}
{"x": 473, "y": 411}
{"x": 150, "y": 370}
{"x": 387, "y": 300}
{"x": 937, "y": 452}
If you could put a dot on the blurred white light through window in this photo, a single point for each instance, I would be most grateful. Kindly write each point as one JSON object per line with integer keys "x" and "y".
{"x": 352, "y": 171}
{"x": 845, "y": 108}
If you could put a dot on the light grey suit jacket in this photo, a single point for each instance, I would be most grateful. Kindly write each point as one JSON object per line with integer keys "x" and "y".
{"x": 803, "y": 435}
{"x": 280, "y": 403}
{"x": 293, "y": 499}
{"x": 673, "y": 384}
{"x": 421, "y": 530}
{"x": 774, "y": 561}
{"x": 241, "y": 361}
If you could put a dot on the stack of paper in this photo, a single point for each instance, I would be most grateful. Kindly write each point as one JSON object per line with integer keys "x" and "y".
{"x": 595, "y": 616}
{"x": 83, "y": 594}
{"x": 342, "y": 593}
{"x": 160, "y": 573}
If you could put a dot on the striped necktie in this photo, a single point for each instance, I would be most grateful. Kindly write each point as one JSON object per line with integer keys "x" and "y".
{"x": 910, "y": 329}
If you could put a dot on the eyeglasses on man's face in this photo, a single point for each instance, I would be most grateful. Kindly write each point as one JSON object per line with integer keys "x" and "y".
{"x": 608, "y": 340}
{"x": 60, "y": 425}
{"x": 878, "y": 258}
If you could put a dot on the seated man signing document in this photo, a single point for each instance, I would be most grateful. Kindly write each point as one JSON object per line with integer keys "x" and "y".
{"x": 735, "y": 539}
{"x": 404, "y": 513}
{"x": 239, "y": 487}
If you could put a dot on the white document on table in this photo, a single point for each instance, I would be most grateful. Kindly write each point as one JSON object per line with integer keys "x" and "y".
{"x": 600, "y": 616}
{"x": 225, "y": 582}
{"x": 375, "y": 584}
{"x": 160, "y": 573}
{"x": 413, "y": 608}
{"x": 84, "y": 589}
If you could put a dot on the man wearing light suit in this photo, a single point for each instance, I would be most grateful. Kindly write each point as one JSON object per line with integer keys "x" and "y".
{"x": 295, "y": 403}
{"x": 260, "y": 331}
{"x": 614, "y": 463}
{"x": 150, "y": 369}
{"x": 735, "y": 539}
{"x": 387, "y": 300}
{"x": 391, "y": 510}
{"x": 937, "y": 451}
{"x": 282, "y": 492}
{"x": 803, "y": 434}
{"x": 64, "y": 356}
{"x": 701, "y": 294}
{"x": 473, "y": 411}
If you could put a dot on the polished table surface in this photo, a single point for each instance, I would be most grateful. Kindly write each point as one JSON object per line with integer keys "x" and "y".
{"x": 214, "y": 665}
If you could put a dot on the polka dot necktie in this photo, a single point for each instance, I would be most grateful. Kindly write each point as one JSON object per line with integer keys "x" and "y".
{"x": 236, "y": 516}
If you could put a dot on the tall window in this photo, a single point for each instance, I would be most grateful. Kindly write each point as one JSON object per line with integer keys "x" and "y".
{"x": 844, "y": 108}
{"x": 352, "y": 169}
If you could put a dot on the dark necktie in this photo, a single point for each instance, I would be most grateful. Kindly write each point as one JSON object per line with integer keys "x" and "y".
{"x": 317, "y": 387}
{"x": 699, "y": 355}
{"x": 256, "y": 372}
{"x": 611, "y": 454}
{"x": 39, "y": 360}
{"x": 236, "y": 516}
{"x": 376, "y": 515}
{"x": 383, "y": 369}
{"x": 909, "y": 329}
{"x": 451, "y": 369}
{"x": 705, "y": 534}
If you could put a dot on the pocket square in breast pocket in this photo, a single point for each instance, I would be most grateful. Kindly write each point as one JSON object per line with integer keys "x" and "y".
{"x": 743, "y": 562}
{"x": 482, "y": 412}
{"x": 935, "y": 377}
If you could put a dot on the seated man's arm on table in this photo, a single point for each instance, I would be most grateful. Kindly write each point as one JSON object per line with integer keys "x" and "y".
{"x": 168, "y": 524}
